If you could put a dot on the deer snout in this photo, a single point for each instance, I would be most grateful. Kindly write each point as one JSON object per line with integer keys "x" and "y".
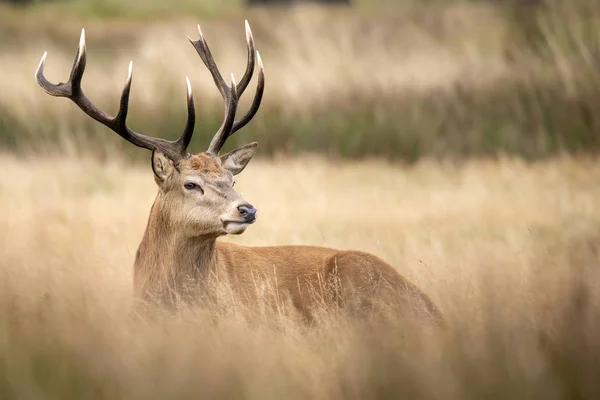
{"x": 247, "y": 212}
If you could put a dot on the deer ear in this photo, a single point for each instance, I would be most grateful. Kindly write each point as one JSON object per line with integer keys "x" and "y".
{"x": 236, "y": 160}
{"x": 162, "y": 166}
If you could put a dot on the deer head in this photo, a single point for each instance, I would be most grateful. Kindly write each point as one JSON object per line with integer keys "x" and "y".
{"x": 195, "y": 191}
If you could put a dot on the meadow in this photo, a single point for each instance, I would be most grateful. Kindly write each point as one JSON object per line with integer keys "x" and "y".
{"x": 438, "y": 79}
{"x": 509, "y": 252}
{"x": 456, "y": 140}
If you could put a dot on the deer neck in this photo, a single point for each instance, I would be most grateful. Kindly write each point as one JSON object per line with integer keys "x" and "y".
{"x": 169, "y": 263}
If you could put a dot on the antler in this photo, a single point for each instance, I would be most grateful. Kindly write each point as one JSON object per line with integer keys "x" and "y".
{"x": 232, "y": 94}
{"x": 174, "y": 150}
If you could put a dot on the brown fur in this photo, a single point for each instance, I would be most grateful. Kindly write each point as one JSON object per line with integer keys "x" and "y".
{"x": 196, "y": 204}
{"x": 205, "y": 164}
{"x": 179, "y": 251}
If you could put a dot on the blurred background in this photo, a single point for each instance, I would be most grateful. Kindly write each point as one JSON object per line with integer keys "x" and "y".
{"x": 392, "y": 79}
{"x": 455, "y": 139}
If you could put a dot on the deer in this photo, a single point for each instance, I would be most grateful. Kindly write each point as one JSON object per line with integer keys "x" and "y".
{"x": 196, "y": 204}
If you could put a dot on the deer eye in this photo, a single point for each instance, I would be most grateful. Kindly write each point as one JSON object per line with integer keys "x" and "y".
{"x": 191, "y": 186}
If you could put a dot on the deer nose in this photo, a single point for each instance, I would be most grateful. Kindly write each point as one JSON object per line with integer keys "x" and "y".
{"x": 247, "y": 212}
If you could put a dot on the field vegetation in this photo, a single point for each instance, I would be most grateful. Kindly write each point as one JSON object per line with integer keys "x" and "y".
{"x": 509, "y": 252}
{"x": 457, "y": 140}
{"x": 444, "y": 80}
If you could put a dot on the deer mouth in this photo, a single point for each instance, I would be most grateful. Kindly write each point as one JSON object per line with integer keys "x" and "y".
{"x": 235, "y": 227}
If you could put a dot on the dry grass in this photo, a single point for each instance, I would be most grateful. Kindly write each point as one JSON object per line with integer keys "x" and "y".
{"x": 417, "y": 80}
{"x": 311, "y": 55}
{"x": 509, "y": 251}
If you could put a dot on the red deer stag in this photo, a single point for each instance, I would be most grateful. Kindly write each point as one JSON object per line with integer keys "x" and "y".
{"x": 196, "y": 204}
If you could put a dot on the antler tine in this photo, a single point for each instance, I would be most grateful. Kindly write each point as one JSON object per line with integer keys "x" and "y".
{"x": 229, "y": 127}
{"x": 260, "y": 88}
{"x": 205, "y": 54}
{"x": 203, "y": 50}
{"x": 186, "y": 137}
{"x": 175, "y": 150}
{"x": 222, "y": 134}
{"x": 250, "y": 64}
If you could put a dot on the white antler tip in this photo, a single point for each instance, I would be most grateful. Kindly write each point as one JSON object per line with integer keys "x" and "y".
{"x": 41, "y": 64}
{"x": 82, "y": 38}
{"x": 260, "y": 62}
{"x": 233, "y": 83}
{"x": 248, "y": 30}
{"x": 200, "y": 32}
{"x": 130, "y": 70}
{"x": 189, "y": 86}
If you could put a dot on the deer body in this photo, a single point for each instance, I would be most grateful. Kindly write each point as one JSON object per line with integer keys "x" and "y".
{"x": 303, "y": 275}
{"x": 179, "y": 254}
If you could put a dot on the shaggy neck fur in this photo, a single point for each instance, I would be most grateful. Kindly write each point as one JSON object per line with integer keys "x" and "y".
{"x": 169, "y": 265}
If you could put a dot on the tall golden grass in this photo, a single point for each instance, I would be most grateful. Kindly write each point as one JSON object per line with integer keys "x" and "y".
{"x": 311, "y": 55}
{"x": 403, "y": 82}
{"x": 509, "y": 251}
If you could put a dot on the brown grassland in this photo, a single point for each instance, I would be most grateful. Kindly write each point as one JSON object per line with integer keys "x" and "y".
{"x": 509, "y": 251}
{"x": 496, "y": 214}
{"x": 442, "y": 79}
